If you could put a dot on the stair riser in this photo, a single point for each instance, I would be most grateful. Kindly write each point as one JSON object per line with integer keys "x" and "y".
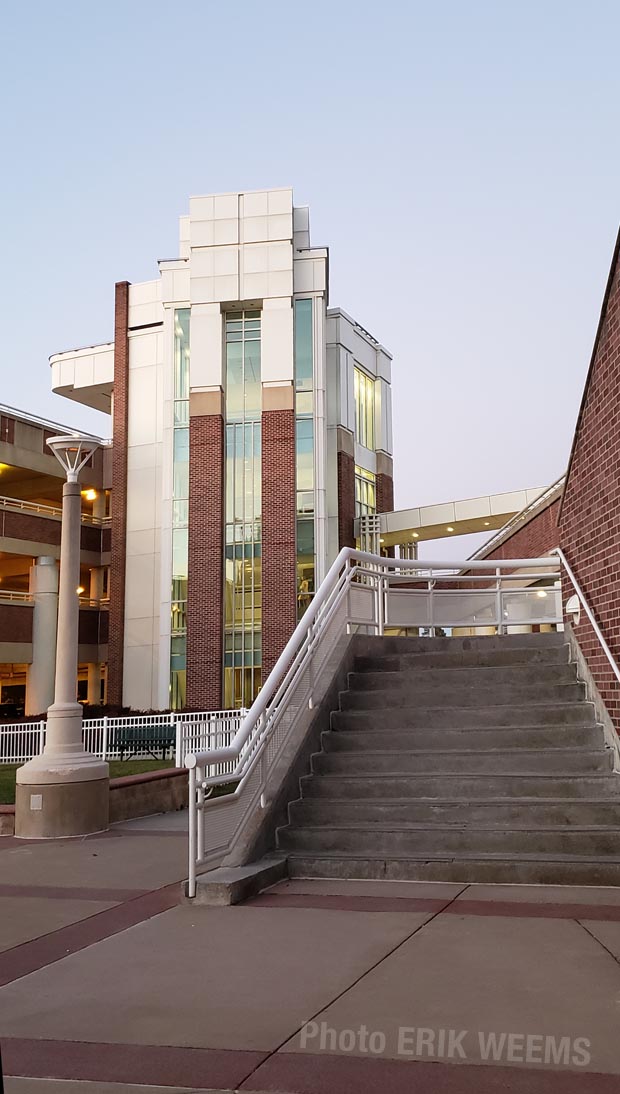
{"x": 499, "y": 873}
{"x": 394, "y": 844}
{"x": 559, "y": 737}
{"x": 461, "y": 697}
{"x": 427, "y": 679}
{"x": 530, "y": 815}
{"x": 554, "y": 655}
{"x": 549, "y": 714}
{"x": 463, "y": 786}
{"x": 395, "y": 644}
{"x": 369, "y": 763}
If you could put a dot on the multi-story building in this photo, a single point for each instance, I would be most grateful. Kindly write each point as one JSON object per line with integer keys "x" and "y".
{"x": 251, "y": 424}
{"x": 31, "y": 482}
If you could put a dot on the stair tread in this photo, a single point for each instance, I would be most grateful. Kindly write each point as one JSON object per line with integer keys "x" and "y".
{"x": 581, "y": 749}
{"x": 459, "y": 856}
{"x": 456, "y": 826}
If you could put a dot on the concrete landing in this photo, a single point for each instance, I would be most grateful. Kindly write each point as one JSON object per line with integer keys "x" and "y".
{"x": 112, "y": 985}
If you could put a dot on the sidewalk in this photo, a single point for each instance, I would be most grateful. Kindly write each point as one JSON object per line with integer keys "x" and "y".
{"x": 110, "y": 983}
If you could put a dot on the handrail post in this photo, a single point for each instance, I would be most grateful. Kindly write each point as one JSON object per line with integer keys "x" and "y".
{"x": 498, "y": 600}
{"x": 178, "y": 762}
{"x": 200, "y": 816}
{"x": 191, "y": 882}
{"x": 380, "y": 604}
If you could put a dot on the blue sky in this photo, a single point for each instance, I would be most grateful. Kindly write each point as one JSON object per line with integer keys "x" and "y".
{"x": 461, "y": 161}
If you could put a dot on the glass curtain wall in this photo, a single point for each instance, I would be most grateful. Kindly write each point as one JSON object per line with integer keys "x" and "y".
{"x": 180, "y": 507}
{"x": 364, "y": 388}
{"x": 365, "y": 493}
{"x": 243, "y": 511}
{"x": 304, "y": 451}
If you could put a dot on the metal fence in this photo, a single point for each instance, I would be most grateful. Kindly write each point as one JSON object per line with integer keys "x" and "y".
{"x": 132, "y": 736}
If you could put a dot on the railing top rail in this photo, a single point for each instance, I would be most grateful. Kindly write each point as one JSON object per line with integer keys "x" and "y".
{"x": 590, "y": 614}
{"x": 44, "y": 510}
{"x": 346, "y": 556}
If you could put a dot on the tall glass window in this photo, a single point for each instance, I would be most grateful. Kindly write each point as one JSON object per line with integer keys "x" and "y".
{"x": 304, "y": 449}
{"x": 243, "y": 511}
{"x": 365, "y": 493}
{"x": 364, "y": 387}
{"x": 180, "y": 507}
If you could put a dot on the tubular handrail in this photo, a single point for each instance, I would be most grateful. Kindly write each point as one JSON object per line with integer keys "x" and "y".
{"x": 301, "y": 632}
{"x": 590, "y": 614}
{"x": 41, "y": 509}
{"x": 361, "y": 591}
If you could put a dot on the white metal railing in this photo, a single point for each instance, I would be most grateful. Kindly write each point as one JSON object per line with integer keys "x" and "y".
{"x": 15, "y": 596}
{"x": 132, "y": 735}
{"x": 369, "y": 594}
{"x": 18, "y": 505}
{"x": 586, "y": 607}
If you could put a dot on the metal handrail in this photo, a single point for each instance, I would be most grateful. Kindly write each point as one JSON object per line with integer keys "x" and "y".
{"x": 590, "y": 614}
{"x": 18, "y": 505}
{"x": 248, "y": 747}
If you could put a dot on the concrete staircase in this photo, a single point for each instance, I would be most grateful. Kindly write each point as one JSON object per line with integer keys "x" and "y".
{"x": 460, "y": 759}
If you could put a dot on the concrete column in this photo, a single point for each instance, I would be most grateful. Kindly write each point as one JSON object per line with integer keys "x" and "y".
{"x": 40, "y": 674}
{"x": 93, "y": 696}
{"x": 64, "y": 791}
{"x": 96, "y": 583}
{"x": 99, "y": 505}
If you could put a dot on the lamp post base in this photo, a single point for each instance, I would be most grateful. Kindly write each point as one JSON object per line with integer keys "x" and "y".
{"x": 49, "y": 810}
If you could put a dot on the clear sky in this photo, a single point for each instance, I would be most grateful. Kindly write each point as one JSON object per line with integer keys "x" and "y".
{"x": 461, "y": 160}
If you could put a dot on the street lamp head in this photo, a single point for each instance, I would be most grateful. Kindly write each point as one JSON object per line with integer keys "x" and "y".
{"x": 72, "y": 452}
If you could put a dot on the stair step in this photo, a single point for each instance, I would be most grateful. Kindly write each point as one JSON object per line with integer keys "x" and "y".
{"x": 459, "y": 785}
{"x": 484, "y": 869}
{"x": 478, "y": 676}
{"x": 502, "y": 694}
{"x": 376, "y": 739}
{"x": 391, "y": 841}
{"x": 517, "y": 714}
{"x": 447, "y": 658}
{"x": 523, "y": 812}
{"x": 402, "y": 645}
{"x": 561, "y": 761}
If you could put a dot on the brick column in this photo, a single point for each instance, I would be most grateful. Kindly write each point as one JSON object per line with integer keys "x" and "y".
{"x": 205, "y": 606}
{"x": 346, "y": 500}
{"x": 119, "y": 495}
{"x": 385, "y": 493}
{"x": 279, "y": 549}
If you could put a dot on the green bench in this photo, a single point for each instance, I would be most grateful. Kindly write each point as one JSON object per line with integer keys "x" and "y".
{"x": 146, "y": 738}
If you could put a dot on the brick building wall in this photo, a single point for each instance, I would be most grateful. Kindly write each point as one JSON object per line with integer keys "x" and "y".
{"x": 346, "y": 500}
{"x": 534, "y": 539}
{"x": 205, "y": 604}
{"x": 589, "y": 521}
{"x": 119, "y": 495}
{"x": 385, "y": 493}
{"x": 279, "y": 550}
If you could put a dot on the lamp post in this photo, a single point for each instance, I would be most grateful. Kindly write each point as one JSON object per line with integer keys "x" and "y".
{"x": 65, "y": 790}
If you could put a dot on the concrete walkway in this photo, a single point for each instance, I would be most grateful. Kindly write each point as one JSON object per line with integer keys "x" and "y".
{"x": 111, "y": 985}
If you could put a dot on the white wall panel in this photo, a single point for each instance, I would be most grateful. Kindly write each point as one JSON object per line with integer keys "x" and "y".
{"x": 206, "y": 346}
{"x": 277, "y": 341}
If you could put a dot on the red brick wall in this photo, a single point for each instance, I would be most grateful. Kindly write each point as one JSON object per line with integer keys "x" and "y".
{"x": 16, "y": 622}
{"x": 346, "y": 500}
{"x": 205, "y": 606}
{"x": 119, "y": 495}
{"x": 590, "y": 508}
{"x": 279, "y": 550}
{"x": 534, "y": 539}
{"x": 385, "y": 494}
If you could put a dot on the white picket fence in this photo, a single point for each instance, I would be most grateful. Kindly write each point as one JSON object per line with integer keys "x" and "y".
{"x": 132, "y": 736}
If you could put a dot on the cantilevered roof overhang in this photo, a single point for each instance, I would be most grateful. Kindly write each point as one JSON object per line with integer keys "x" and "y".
{"x": 452, "y": 518}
